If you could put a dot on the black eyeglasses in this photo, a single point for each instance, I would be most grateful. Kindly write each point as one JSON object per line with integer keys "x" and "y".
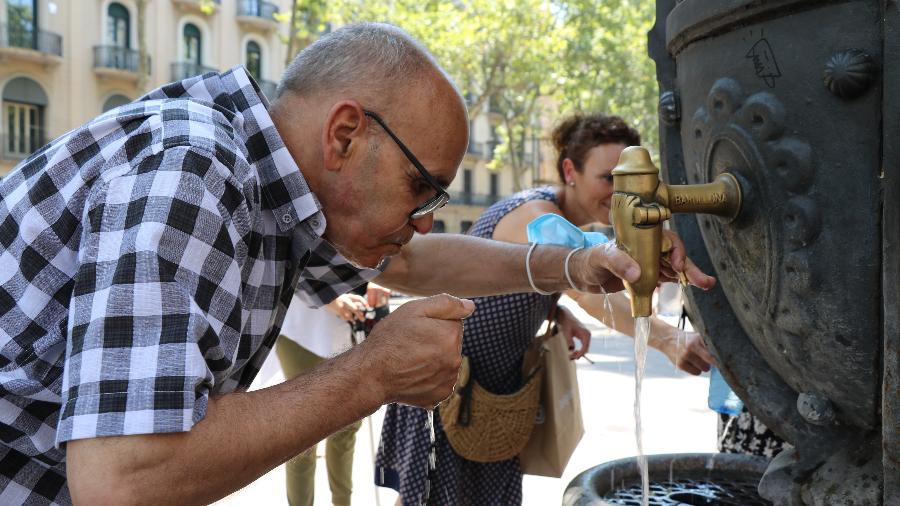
{"x": 434, "y": 203}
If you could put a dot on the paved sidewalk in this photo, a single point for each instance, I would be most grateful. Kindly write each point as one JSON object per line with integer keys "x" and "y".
{"x": 675, "y": 419}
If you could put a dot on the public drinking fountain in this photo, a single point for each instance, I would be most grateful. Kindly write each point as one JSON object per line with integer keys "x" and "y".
{"x": 796, "y": 101}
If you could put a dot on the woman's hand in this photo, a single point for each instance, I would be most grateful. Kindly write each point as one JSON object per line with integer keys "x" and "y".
{"x": 691, "y": 356}
{"x": 349, "y": 306}
{"x": 377, "y": 295}
{"x": 573, "y": 329}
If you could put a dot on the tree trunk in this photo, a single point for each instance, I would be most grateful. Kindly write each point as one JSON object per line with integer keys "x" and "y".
{"x": 292, "y": 33}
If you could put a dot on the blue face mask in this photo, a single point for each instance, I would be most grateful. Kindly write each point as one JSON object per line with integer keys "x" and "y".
{"x": 558, "y": 231}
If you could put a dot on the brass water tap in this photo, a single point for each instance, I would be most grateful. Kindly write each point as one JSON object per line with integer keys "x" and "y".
{"x": 640, "y": 205}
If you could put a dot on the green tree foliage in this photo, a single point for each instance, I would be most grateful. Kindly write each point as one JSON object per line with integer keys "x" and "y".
{"x": 608, "y": 67}
{"x": 525, "y": 60}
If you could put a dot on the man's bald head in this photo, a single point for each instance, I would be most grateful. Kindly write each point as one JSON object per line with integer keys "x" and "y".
{"x": 368, "y": 60}
{"x": 367, "y": 184}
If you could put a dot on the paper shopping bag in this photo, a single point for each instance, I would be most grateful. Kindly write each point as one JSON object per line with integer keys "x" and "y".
{"x": 558, "y": 425}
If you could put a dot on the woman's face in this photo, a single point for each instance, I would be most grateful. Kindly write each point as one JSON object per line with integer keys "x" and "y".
{"x": 594, "y": 184}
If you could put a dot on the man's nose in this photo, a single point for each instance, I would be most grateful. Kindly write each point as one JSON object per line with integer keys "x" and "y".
{"x": 424, "y": 224}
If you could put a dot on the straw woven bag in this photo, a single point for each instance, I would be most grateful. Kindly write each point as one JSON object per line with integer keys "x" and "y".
{"x": 486, "y": 427}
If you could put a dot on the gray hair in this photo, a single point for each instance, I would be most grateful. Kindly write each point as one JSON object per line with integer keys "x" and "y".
{"x": 376, "y": 57}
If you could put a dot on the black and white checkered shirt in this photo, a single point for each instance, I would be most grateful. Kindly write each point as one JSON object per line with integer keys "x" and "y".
{"x": 146, "y": 262}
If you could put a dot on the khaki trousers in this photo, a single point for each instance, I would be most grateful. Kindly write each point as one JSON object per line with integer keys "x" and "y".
{"x": 301, "y": 470}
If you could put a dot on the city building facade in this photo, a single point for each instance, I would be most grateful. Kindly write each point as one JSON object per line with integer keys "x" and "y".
{"x": 63, "y": 62}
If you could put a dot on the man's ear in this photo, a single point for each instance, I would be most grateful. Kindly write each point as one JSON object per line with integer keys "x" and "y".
{"x": 342, "y": 133}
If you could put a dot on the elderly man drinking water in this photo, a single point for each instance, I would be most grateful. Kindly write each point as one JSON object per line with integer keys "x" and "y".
{"x": 147, "y": 258}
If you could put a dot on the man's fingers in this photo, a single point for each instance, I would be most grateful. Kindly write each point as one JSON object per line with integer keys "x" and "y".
{"x": 445, "y": 307}
{"x": 619, "y": 263}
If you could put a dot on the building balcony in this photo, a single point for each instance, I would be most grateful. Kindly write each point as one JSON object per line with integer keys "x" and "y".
{"x": 465, "y": 198}
{"x": 530, "y": 158}
{"x": 257, "y": 14}
{"x": 185, "y": 69}
{"x": 199, "y": 6}
{"x": 118, "y": 63}
{"x": 483, "y": 150}
{"x": 268, "y": 88}
{"x": 28, "y": 44}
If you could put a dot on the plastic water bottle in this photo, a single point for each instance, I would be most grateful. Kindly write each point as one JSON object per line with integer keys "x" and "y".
{"x": 722, "y": 398}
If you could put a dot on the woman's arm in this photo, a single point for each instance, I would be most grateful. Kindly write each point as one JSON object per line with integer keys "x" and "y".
{"x": 614, "y": 311}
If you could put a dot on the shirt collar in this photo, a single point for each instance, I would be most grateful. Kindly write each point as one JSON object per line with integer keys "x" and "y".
{"x": 285, "y": 190}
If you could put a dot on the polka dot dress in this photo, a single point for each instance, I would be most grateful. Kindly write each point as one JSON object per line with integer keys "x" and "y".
{"x": 746, "y": 434}
{"x": 495, "y": 338}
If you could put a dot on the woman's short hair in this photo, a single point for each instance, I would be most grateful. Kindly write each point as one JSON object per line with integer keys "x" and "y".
{"x": 579, "y": 133}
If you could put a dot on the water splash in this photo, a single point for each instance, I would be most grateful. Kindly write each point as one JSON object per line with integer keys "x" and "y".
{"x": 710, "y": 465}
{"x": 670, "y": 304}
{"x": 641, "y": 335}
{"x": 432, "y": 458}
{"x": 680, "y": 338}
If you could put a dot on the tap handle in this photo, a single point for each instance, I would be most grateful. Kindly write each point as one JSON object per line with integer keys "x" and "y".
{"x": 650, "y": 214}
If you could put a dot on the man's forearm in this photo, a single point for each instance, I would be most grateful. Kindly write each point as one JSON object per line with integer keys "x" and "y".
{"x": 243, "y": 436}
{"x": 468, "y": 266}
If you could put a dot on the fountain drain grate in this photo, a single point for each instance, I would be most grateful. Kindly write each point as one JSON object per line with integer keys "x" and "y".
{"x": 682, "y": 492}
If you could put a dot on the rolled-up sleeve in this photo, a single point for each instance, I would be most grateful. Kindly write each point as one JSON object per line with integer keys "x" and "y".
{"x": 156, "y": 313}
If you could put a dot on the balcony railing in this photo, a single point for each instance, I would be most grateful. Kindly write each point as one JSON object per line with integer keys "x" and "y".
{"x": 530, "y": 158}
{"x": 119, "y": 58}
{"x": 198, "y": 3}
{"x": 489, "y": 147}
{"x": 268, "y": 88}
{"x": 474, "y": 148}
{"x": 185, "y": 69}
{"x": 473, "y": 199}
{"x": 19, "y": 147}
{"x": 257, "y": 8}
{"x": 30, "y": 38}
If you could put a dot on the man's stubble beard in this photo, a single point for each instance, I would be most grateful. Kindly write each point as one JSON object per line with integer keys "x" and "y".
{"x": 369, "y": 165}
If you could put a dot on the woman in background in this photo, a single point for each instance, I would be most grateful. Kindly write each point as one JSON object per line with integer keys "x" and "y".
{"x": 497, "y": 334}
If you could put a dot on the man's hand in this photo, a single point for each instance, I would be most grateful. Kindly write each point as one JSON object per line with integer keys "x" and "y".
{"x": 417, "y": 348}
{"x": 602, "y": 268}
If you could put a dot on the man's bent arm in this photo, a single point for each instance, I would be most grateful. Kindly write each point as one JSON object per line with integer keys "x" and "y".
{"x": 243, "y": 436}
